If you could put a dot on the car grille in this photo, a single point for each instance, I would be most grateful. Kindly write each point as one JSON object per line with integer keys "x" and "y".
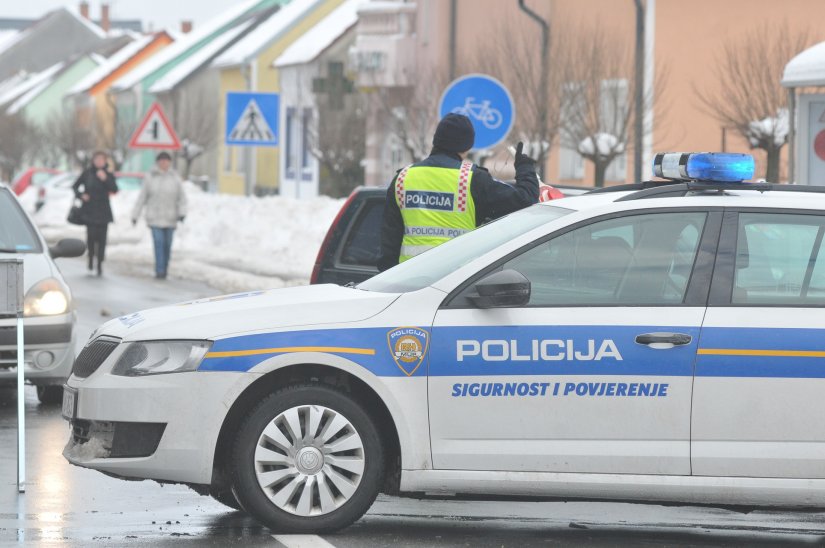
{"x": 93, "y": 356}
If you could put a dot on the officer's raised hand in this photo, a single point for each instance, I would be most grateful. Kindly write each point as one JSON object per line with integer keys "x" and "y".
{"x": 521, "y": 158}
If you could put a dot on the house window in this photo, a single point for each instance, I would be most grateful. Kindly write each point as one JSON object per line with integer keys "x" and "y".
{"x": 571, "y": 163}
{"x": 614, "y": 109}
{"x": 306, "y": 144}
{"x": 291, "y": 120}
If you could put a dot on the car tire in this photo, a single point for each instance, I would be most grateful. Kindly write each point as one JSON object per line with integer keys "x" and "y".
{"x": 227, "y": 499}
{"x": 50, "y": 395}
{"x": 307, "y": 459}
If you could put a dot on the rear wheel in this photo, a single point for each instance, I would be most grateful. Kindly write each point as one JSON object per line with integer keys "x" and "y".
{"x": 307, "y": 459}
{"x": 50, "y": 395}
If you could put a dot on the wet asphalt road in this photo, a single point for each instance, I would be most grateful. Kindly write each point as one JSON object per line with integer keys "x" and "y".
{"x": 68, "y": 506}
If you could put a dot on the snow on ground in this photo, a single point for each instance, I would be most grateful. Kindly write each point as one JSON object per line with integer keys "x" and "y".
{"x": 233, "y": 243}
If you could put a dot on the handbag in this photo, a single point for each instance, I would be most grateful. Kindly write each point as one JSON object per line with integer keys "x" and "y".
{"x": 76, "y": 213}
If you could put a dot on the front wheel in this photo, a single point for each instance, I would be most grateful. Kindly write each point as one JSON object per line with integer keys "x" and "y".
{"x": 50, "y": 395}
{"x": 308, "y": 459}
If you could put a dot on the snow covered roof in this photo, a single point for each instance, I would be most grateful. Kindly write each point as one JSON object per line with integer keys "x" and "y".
{"x": 198, "y": 59}
{"x": 28, "y": 83}
{"x": 187, "y": 42}
{"x": 8, "y": 38}
{"x": 75, "y": 12}
{"x": 111, "y": 64}
{"x": 322, "y": 35}
{"x": 806, "y": 69}
{"x": 267, "y": 32}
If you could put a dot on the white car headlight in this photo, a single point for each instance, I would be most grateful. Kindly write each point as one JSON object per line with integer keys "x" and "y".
{"x": 156, "y": 357}
{"x": 48, "y": 297}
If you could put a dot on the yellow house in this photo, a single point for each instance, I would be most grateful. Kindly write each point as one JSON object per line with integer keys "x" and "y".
{"x": 248, "y": 66}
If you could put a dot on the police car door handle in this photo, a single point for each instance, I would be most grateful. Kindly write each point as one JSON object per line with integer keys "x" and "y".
{"x": 663, "y": 340}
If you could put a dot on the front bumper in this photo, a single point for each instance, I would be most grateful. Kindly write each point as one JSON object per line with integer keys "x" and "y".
{"x": 191, "y": 408}
{"x": 49, "y": 349}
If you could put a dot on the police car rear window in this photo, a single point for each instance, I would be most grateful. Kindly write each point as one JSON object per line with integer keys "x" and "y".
{"x": 427, "y": 268}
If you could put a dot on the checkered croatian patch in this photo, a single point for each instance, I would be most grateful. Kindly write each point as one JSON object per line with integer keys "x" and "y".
{"x": 463, "y": 183}
{"x": 399, "y": 185}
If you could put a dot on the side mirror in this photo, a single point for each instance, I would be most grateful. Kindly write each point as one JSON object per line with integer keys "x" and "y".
{"x": 503, "y": 289}
{"x": 68, "y": 247}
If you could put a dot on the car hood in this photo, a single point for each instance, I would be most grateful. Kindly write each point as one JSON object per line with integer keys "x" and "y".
{"x": 256, "y": 311}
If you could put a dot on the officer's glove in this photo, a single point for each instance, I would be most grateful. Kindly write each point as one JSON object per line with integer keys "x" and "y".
{"x": 521, "y": 158}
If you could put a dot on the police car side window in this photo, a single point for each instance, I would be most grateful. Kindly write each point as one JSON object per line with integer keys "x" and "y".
{"x": 635, "y": 260}
{"x": 780, "y": 260}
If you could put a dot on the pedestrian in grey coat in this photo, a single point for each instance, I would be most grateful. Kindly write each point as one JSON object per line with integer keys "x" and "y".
{"x": 163, "y": 197}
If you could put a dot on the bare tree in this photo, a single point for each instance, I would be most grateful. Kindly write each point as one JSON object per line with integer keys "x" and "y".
{"x": 198, "y": 131}
{"x": 513, "y": 56}
{"x": 338, "y": 141}
{"x": 411, "y": 111}
{"x": 747, "y": 95}
{"x": 72, "y": 138}
{"x": 597, "y": 97}
{"x": 113, "y": 134}
{"x": 17, "y": 140}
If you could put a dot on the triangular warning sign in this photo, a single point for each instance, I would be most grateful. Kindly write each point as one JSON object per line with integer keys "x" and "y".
{"x": 155, "y": 131}
{"x": 252, "y": 126}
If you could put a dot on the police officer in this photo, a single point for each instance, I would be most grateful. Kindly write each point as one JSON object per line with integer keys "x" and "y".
{"x": 443, "y": 196}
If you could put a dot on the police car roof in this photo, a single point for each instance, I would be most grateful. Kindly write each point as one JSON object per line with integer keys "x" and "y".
{"x": 697, "y": 193}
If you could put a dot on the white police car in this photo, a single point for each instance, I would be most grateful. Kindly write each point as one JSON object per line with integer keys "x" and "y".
{"x": 658, "y": 342}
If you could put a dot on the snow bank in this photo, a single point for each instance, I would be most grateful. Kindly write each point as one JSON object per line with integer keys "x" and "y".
{"x": 234, "y": 243}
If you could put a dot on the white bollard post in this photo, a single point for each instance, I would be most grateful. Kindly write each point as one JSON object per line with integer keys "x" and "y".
{"x": 11, "y": 305}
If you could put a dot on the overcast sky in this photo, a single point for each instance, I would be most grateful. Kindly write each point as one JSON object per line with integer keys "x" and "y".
{"x": 155, "y": 13}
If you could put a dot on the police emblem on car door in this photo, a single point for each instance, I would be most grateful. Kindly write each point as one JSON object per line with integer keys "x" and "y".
{"x": 408, "y": 347}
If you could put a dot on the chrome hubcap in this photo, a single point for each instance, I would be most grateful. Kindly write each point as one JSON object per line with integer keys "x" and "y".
{"x": 309, "y": 460}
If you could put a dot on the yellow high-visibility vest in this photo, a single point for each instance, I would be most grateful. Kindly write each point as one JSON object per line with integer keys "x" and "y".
{"x": 436, "y": 205}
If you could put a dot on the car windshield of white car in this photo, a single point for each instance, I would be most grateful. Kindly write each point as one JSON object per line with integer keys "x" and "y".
{"x": 16, "y": 233}
{"x": 425, "y": 269}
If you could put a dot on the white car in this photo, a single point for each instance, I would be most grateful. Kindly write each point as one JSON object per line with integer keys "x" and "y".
{"x": 661, "y": 342}
{"x": 49, "y": 316}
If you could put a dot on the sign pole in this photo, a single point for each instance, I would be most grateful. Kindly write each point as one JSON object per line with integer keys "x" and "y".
{"x": 21, "y": 408}
{"x": 11, "y": 305}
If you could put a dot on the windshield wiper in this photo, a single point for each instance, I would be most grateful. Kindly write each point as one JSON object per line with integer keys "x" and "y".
{"x": 11, "y": 250}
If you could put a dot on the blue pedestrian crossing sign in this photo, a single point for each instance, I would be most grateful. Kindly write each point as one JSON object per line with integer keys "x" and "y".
{"x": 486, "y": 102}
{"x": 252, "y": 119}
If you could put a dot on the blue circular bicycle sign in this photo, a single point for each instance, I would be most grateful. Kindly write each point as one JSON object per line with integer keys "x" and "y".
{"x": 486, "y": 102}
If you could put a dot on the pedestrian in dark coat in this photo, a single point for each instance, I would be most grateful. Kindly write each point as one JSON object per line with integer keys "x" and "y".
{"x": 93, "y": 188}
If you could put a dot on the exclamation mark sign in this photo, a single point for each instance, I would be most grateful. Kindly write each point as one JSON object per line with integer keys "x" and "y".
{"x": 155, "y": 130}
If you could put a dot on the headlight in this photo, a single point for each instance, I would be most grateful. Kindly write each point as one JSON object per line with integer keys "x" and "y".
{"x": 47, "y": 298}
{"x": 156, "y": 357}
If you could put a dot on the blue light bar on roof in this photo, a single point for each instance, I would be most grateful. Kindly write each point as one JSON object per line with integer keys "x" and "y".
{"x": 717, "y": 167}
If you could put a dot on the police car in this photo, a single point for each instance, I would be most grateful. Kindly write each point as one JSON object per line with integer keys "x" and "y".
{"x": 663, "y": 341}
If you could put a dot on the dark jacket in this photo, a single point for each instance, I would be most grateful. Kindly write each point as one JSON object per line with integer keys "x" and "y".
{"x": 493, "y": 199}
{"x": 98, "y": 210}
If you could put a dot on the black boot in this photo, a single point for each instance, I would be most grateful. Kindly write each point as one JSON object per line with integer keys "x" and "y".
{"x": 91, "y": 262}
{"x": 99, "y": 270}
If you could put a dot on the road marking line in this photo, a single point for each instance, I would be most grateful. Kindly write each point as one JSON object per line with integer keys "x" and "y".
{"x": 302, "y": 541}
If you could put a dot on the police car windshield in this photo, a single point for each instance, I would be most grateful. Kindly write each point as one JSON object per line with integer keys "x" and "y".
{"x": 427, "y": 268}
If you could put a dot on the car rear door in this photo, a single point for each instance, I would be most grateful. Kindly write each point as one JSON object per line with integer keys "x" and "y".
{"x": 354, "y": 255}
{"x": 758, "y": 402}
{"x": 595, "y": 373}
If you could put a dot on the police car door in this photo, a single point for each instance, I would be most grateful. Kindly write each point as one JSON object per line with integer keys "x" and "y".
{"x": 594, "y": 374}
{"x": 760, "y": 375}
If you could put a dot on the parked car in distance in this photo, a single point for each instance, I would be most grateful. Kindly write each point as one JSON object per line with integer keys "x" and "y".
{"x": 32, "y": 176}
{"x": 349, "y": 252}
{"x": 49, "y": 316}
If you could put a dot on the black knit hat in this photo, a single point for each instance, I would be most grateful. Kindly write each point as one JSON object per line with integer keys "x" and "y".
{"x": 454, "y": 133}
{"x": 163, "y": 156}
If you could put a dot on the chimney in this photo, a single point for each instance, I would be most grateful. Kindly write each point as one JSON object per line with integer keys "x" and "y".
{"x": 84, "y": 10}
{"x": 186, "y": 26}
{"x": 105, "y": 23}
